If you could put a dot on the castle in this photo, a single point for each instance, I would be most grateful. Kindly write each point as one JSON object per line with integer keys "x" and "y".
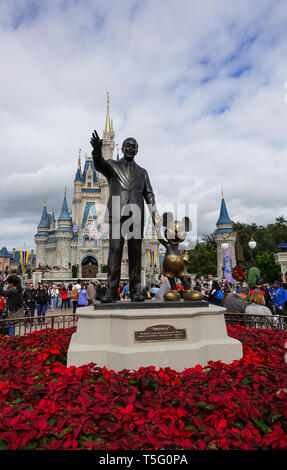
{"x": 224, "y": 234}
{"x": 76, "y": 246}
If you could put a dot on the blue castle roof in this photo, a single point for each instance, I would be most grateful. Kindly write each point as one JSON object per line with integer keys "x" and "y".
{"x": 15, "y": 256}
{"x": 64, "y": 212}
{"x": 45, "y": 220}
{"x": 87, "y": 164}
{"x": 223, "y": 216}
{"x": 51, "y": 240}
{"x": 78, "y": 176}
{"x": 90, "y": 206}
{"x": 5, "y": 253}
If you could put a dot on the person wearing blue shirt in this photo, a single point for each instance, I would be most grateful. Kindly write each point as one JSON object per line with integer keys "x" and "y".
{"x": 82, "y": 299}
{"x": 125, "y": 291}
{"x": 280, "y": 297}
{"x": 272, "y": 292}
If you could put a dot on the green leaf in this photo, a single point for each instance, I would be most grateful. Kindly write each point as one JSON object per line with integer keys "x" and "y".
{"x": 239, "y": 425}
{"x": 65, "y": 431}
{"x": 133, "y": 382}
{"x": 31, "y": 446}
{"x": 190, "y": 427}
{"x": 52, "y": 421}
{"x": 246, "y": 381}
{"x": 275, "y": 416}
{"x": 17, "y": 401}
{"x": 201, "y": 404}
{"x": 262, "y": 426}
{"x": 2, "y": 445}
{"x": 88, "y": 438}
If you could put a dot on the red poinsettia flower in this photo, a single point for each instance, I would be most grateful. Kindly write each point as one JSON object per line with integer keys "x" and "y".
{"x": 45, "y": 405}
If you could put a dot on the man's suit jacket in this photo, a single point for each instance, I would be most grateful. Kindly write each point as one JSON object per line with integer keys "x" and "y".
{"x": 134, "y": 188}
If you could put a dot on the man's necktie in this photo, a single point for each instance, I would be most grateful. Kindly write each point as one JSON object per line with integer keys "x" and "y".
{"x": 130, "y": 169}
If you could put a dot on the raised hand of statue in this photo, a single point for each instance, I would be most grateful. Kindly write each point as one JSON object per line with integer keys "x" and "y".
{"x": 96, "y": 142}
{"x": 156, "y": 218}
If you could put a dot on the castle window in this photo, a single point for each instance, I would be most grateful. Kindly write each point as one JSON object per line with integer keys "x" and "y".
{"x": 89, "y": 185}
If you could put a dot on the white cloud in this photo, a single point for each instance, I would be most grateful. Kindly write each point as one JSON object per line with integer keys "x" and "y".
{"x": 199, "y": 84}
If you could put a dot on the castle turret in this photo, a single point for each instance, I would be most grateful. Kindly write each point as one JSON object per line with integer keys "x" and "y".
{"x": 41, "y": 237}
{"x": 64, "y": 235}
{"x": 44, "y": 222}
{"x": 224, "y": 234}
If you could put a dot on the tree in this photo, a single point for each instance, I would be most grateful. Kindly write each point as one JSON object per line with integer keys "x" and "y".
{"x": 267, "y": 238}
{"x": 202, "y": 259}
{"x": 253, "y": 274}
{"x": 269, "y": 270}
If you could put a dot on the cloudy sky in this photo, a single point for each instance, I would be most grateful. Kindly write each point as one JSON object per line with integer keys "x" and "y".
{"x": 200, "y": 84}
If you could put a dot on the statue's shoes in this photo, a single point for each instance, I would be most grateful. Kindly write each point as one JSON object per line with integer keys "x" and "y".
{"x": 191, "y": 295}
{"x": 172, "y": 295}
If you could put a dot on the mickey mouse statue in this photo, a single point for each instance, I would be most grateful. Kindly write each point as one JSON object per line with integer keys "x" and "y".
{"x": 174, "y": 261}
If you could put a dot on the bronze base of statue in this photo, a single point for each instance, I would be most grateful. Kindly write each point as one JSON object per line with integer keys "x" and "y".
{"x": 172, "y": 295}
{"x": 191, "y": 295}
{"x": 187, "y": 295}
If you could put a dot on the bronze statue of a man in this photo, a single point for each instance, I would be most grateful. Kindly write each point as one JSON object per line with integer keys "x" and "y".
{"x": 129, "y": 187}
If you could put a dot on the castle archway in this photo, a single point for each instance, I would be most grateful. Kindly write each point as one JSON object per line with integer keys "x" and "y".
{"x": 89, "y": 267}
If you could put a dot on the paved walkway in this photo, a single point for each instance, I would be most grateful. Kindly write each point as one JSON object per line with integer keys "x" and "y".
{"x": 58, "y": 311}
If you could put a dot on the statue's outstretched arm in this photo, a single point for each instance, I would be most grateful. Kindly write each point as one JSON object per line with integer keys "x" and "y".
{"x": 100, "y": 163}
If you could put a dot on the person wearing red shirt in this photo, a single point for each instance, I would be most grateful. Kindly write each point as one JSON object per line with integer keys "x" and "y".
{"x": 2, "y": 301}
{"x": 64, "y": 293}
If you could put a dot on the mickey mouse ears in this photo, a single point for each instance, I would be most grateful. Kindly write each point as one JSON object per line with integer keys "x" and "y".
{"x": 167, "y": 219}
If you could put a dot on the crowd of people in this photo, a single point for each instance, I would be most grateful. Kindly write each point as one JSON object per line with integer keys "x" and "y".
{"x": 262, "y": 299}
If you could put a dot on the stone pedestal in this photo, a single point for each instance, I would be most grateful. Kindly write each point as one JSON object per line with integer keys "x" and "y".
{"x": 129, "y": 335}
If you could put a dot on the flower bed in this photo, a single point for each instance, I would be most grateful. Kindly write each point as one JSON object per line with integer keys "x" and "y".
{"x": 44, "y": 405}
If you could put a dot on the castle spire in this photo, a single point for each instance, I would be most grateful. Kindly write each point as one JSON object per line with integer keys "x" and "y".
{"x": 223, "y": 216}
{"x": 108, "y": 134}
{"x": 108, "y": 119}
{"x": 44, "y": 222}
{"x": 65, "y": 212}
{"x": 79, "y": 160}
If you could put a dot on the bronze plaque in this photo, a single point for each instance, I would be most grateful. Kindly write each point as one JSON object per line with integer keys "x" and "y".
{"x": 160, "y": 333}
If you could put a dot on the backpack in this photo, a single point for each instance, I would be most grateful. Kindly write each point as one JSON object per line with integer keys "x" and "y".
{"x": 219, "y": 295}
{"x": 74, "y": 294}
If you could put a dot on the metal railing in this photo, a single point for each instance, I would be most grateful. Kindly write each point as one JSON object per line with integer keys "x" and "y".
{"x": 279, "y": 322}
{"x": 23, "y": 326}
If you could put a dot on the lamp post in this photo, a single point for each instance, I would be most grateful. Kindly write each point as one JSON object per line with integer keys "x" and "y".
{"x": 252, "y": 244}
